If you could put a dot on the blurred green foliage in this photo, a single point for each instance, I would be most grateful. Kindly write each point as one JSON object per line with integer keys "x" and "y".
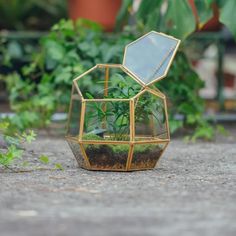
{"x": 176, "y": 17}
{"x": 116, "y": 116}
{"x": 43, "y": 86}
{"x": 13, "y": 149}
{"x": 31, "y": 14}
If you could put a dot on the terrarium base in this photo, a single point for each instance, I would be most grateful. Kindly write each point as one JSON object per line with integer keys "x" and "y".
{"x": 116, "y": 170}
{"x": 119, "y": 157}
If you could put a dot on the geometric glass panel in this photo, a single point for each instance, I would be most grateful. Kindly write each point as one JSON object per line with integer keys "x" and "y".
{"x": 146, "y": 155}
{"x": 103, "y": 82}
{"x": 150, "y": 117}
{"x": 74, "y": 119}
{"x": 150, "y": 56}
{"x": 107, "y": 156}
{"x": 107, "y": 120}
{"x": 76, "y": 149}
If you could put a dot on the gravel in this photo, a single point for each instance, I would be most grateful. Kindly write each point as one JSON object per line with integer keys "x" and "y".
{"x": 191, "y": 192}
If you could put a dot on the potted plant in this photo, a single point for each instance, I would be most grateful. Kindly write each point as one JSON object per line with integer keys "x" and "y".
{"x": 101, "y": 11}
{"x": 117, "y": 118}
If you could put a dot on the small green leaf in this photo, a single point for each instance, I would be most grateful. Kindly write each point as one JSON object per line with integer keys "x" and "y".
{"x": 15, "y": 152}
{"x": 54, "y": 50}
{"x": 58, "y": 166}
{"x": 175, "y": 125}
{"x": 8, "y": 157}
{"x": 30, "y": 136}
{"x": 205, "y": 132}
{"x": 25, "y": 163}
{"x": 44, "y": 159}
{"x": 89, "y": 95}
{"x": 84, "y": 46}
{"x": 222, "y": 130}
{"x": 4, "y": 126}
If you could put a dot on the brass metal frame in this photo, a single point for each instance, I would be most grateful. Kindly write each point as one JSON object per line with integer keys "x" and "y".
{"x": 167, "y": 68}
{"x": 133, "y": 138}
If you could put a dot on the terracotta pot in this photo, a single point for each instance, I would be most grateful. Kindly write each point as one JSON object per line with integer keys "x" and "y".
{"x": 213, "y": 24}
{"x": 100, "y": 11}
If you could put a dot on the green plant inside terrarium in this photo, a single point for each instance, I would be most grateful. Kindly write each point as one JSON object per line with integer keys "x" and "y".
{"x": 113, "y": 117}
{"x": 110, "y": 121}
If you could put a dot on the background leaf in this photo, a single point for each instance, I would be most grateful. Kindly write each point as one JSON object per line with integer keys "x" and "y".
{"x": 179, "y": 19}
{"x": 123, "y": 13}
{"x": 228, "y": 15}
{"x": 204, "y": 11}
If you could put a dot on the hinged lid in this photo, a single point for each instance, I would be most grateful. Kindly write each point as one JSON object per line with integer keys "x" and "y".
{"x": 149, "y": 57}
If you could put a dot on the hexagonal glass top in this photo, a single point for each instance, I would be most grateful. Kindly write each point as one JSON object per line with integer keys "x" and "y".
{"x": 149, "y": 57}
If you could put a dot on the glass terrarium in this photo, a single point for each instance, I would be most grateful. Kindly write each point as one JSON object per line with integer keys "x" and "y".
{"x": 117, "y": 118}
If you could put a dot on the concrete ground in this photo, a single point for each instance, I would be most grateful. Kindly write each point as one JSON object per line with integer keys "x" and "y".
{"x": 191, "y": 192}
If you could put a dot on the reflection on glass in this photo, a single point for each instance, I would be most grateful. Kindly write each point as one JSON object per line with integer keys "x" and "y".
{"x": 149, "y": 56}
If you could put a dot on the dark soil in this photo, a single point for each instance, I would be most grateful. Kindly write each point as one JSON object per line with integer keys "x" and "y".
{"x": 147, "y": 159}
{"x": 102, "y": 156}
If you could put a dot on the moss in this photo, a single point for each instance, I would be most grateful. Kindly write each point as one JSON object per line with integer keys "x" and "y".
{"x": 114, "y": 156}
{"x": 142, "y": 148}
{"x": 119, "y": 148}
{"x": 92, "y": 137}
{"x": 139, "y": 148}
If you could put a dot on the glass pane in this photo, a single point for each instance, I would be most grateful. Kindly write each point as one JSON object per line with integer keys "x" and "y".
{"x": 75, "y": 148}
{"x": 107, "y": 120}
{"x": 107, "y": 156}
{"x": 150, "y": 118}
{"x": 149, "y": 56}
{"x": 108, "y": 83}
{"x": 74, "y": 119}
{"x": 146, "y": 155}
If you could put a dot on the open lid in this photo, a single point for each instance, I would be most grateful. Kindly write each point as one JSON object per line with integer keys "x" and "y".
{"x": 149, "y": 57}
